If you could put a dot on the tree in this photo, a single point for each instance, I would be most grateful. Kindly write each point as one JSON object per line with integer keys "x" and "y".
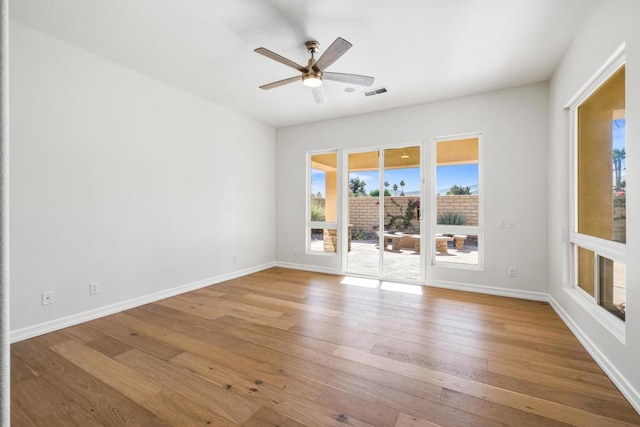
{"x": 402, "y": 184}
{"x": 356, "y": 186}
{"x": 618, "y": 156}
{"x": 457, "y": 190}
{"x": 395, "y": 189}
{"x": 376, "y": 192}
{"x": 317, "y": 211}
{"x": 386, "y": 184}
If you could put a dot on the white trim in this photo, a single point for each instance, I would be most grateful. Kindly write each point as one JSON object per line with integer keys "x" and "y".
{"x": 610, "y": 66}
{"x": 457, "y": 229}
{"x": 381, "y": 216}
{"x": 610, "y": 322}
{"x": 74, "y": 319}
{"x": 5, "y": 377}
{"x": 480, "y": 289}
{"x": 381, "y": 148}
{"x": 306, "y": 267}
{"x": 615, "y": 251}
{"x": 325, "y": 225}
{"x": 629, "y": 392}
{"x": 607, "y": 248}
{"x": 489, "y": 290}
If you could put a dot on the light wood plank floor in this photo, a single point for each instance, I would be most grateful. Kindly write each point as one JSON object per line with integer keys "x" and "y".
{"x": 291, "y": 348}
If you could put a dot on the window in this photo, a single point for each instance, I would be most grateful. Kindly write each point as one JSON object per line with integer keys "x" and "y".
{"x": 598, "y": 227}
{"x": 457, "y": 205}
{"x": 322, "y": 208}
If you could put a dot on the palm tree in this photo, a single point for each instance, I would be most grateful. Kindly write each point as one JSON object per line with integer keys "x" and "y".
{"x": 395, "y": 189}
{"x": 619, "y": 155}
{"x": 402, "y": 184}
{"x": 386, "y": 184}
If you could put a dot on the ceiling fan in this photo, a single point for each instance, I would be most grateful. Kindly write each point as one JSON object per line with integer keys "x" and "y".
{"x": 314, "y": 73}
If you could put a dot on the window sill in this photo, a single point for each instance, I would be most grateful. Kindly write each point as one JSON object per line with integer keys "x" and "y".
{"x": 615, "y": 326}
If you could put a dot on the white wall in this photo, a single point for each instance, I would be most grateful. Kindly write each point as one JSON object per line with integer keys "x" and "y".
{"x": 610, "y": 24}
{"x": 121, "y": 179}
{"x": 514, "y": 122}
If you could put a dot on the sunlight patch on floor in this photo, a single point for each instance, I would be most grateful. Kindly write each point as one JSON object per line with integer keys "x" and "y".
{"x": 401, "y": 287}
{"x": 364, "y": 282}
{"x": 361, "y": 282}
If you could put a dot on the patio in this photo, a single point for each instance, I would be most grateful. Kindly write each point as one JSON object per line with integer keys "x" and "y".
{"x": 402, "y": 264}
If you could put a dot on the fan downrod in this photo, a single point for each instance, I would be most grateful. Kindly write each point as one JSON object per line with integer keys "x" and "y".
{"x": 312, "y": 46}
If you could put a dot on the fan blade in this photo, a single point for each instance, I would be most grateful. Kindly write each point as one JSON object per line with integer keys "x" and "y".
{"x": 355, "y": 79}
{"x": 281, "y": 59}
{"x": 332, "y": 54}
{"x": 319, "y": 95}
{"x": 281, "y": 82}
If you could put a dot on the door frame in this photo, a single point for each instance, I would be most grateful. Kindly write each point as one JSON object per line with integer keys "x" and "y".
{"x": 425, "y": 250}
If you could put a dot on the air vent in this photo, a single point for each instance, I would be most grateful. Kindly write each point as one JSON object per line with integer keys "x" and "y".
{"x": 376, "y": 91}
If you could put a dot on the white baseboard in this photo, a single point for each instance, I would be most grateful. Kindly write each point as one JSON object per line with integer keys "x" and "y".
{"x": 632, "y": 395}
{"x": 482, "y": 289}
{"x": 306, "y": 267}
{"x": 490, "y": 290}
{"x": 74, "y": 319}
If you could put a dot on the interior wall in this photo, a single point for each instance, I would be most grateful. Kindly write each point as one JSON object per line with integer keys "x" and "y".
{"x": 121, "y": 179}
{"x": 515, "y": 126}
{"x": 610, "y": 24}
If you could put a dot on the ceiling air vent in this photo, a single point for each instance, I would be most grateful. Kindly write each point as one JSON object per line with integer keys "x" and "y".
{"x": 375, "y": 91}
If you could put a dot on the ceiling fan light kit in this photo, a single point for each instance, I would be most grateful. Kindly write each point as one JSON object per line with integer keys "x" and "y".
{"x": 314, "y": 73}
{"x": 312, "y": 80}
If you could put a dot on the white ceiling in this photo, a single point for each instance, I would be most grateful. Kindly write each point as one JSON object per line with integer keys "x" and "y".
{"x": 420, "y": 50}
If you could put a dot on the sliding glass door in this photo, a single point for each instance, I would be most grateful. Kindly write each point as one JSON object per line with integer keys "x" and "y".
{"x": 384, "y": 214}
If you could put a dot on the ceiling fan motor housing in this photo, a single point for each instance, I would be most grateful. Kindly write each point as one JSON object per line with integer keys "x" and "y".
{"x": 312, "y": 46}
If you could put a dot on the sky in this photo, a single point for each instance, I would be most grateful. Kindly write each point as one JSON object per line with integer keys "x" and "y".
{"x": 446, "y": 176}
{"x": 619, "y": 130}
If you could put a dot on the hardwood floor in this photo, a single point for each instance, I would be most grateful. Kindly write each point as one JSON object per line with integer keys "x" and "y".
{"x": 291, "y": 348}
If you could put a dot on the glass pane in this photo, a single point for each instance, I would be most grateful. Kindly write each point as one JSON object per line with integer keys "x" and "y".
{"x": 324, "y": 240}
{"x": 613, "y": 277}
{"x": 601, "y": 171}
{"x": 401, "y": 206}
{"x": 457, "y": 182}
{"x": 364, "y": 253}
{"x": 324, "y": 183}
{"x": 586, "y": 270}
{"x": 456, "y": 249}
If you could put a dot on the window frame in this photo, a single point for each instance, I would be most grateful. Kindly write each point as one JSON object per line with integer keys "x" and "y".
{"x": 436, "y": 228}
{"x": 332, "y": 225}
{"x": 615, "y": 251}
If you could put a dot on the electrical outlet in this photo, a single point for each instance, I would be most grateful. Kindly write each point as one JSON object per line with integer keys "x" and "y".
{"x": 235, "y": 259}
{"x": 94, "y": 288}
{"x": 502, "y": 223}
{"x": 47, "y": 298}
{"x": 511, "y": 271}
{"x": 295, "y": 251}
{"x": 511, "y": 223}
